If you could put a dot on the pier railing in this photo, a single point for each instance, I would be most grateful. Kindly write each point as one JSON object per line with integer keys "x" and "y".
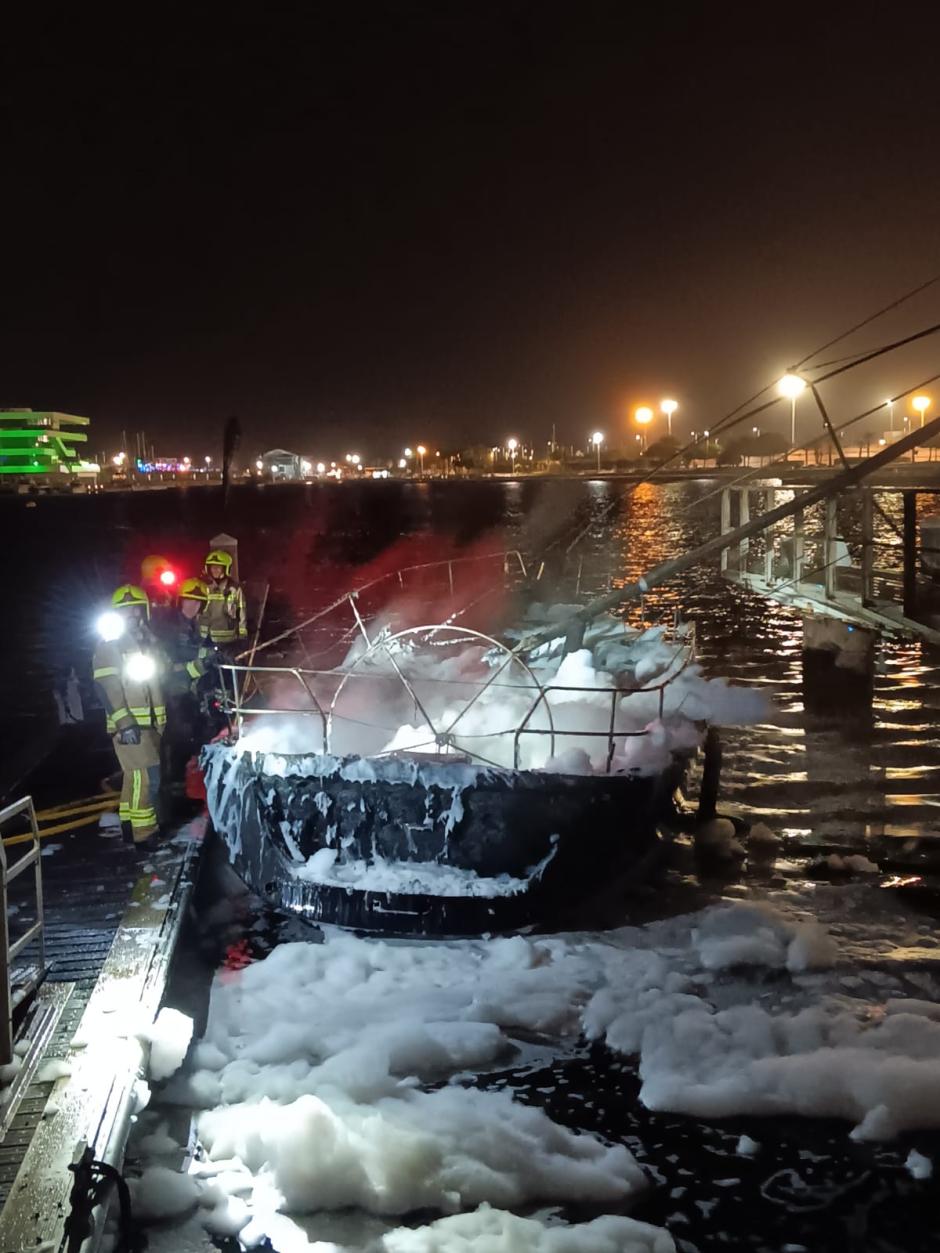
{"x": 857, "y": 555}
{"x": 10, "y": 951}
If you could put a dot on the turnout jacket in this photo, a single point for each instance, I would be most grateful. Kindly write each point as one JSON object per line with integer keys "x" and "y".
{"x": 129, "y": 702}
{"x": 223, "y": 619}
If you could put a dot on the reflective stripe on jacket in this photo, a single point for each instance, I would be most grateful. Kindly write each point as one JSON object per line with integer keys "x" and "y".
{"x": 129, "y": 702}
{"x": 223, "y": 619}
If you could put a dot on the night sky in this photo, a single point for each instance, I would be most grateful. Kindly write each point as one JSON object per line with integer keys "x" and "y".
{"x": 376, "y": 223}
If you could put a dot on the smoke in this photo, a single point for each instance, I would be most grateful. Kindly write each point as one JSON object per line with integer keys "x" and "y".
{"x": 444, "y": 693}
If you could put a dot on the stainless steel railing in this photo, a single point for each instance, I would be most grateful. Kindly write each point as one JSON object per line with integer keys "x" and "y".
{"x": 10, "y": 951}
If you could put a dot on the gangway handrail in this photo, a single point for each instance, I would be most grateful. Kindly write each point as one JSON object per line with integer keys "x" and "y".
{"x": 10, "y": 951}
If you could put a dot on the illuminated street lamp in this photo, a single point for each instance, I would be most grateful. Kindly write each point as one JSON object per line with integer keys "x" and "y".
{"x": 421, "y": 451}
{"x": 259, "y": 465}
{"x": 402, "y": 463}
{"x": 321, "y": 467}
{"x": 408, "y": 452}
{"x": 597, "y": 439}
{"x": 643, "y": 416}
{"x": 668, "y": 407}
{"x": 512, "y": 445}
{"x": 355, "y": 459}
{"x": 890, "y": 404}
{"x": 921, "y": 403}
{"x": 791, "y": 386}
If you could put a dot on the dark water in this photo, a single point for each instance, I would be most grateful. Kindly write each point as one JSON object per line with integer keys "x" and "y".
{"x": 866, "y": 779}
{"x": 863, "y": 779}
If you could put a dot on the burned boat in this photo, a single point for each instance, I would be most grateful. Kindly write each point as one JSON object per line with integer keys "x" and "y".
{"x": 440, "y": 780}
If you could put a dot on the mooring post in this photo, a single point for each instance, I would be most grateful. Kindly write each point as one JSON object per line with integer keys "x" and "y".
{"x": 910, "y": 554}
{"x": 711, "y": 776}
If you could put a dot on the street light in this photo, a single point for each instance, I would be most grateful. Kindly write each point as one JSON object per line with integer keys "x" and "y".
{"x": 791, "y": 386}
{"x": 668, "y": 407}
{"x": 644, "y": 416}
{"x": 259, "y": 465}
{"x": 597, "y": 439}
{"x": 512, "y": 445}
{"x": 355, "y": 458}
{"x": 321, "y": 467}
{"x": 921, "y": 404}
{"x": 408, "y": 452}
{"x": 421, "y": 451}
{"x": 890, "y": 404}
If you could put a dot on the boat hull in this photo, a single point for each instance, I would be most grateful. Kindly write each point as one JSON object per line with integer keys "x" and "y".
{"x": 513, "y": 848}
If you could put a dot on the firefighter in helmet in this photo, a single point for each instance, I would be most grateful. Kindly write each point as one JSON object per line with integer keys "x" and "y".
{"x": 223, "y": 618}
{"x": 127, "y": 670}
{"x": 193, "y": 676}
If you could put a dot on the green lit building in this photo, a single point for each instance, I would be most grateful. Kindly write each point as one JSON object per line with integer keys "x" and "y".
{"x": 41, "y": 446}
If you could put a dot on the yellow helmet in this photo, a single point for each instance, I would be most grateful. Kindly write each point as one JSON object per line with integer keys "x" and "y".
{"x": 130, "y": 596}
{"x": 193, "y": 589}
{"x": 152, "y": 567}
{"x": 219, "y": 557}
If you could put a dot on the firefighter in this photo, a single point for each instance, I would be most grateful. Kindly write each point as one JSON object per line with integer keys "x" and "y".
{"x": 193, "y": 656}
{"x": 193, "y": 677}
{"x": 127, "y": 669}
{"x": 223, "y": 619}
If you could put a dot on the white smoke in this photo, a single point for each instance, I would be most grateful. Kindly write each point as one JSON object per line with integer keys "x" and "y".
{"x": 449, "y": 695}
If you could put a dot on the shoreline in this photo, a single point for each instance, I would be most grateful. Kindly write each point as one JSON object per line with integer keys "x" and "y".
{"x": 906, "y": 474}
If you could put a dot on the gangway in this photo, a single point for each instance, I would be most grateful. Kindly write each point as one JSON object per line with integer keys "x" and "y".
{"x": 737, "y": 535}
{"x": 853, "y": 558}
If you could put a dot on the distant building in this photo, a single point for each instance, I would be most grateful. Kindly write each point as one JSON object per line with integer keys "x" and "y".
{"x": 281, "y": 464}
{"x": 38, "y": 445}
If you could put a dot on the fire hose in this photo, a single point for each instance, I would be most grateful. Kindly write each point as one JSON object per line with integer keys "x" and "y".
{"x": 91, "y": 1183}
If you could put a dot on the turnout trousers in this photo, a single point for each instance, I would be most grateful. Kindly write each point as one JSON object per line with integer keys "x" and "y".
{"x": 141, "y": 766}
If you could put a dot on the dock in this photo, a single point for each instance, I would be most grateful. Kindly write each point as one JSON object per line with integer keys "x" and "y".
{"x": 109, "y": 921}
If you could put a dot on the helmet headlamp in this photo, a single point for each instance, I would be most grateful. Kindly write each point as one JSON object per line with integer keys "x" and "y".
{"x": 110, "y": 625}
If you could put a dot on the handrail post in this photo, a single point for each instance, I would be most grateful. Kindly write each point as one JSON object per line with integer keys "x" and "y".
{"x": 830, "y": 526}
{"x": 868, "y": 548}
{"x": 725, "y": 523}
{"x": 37, "y": 880}
{"x": 6, "y": 1008}
{"x": 769, "y": 501}
{"x": 910, "y": 554}
{"x": 799, "y": 549}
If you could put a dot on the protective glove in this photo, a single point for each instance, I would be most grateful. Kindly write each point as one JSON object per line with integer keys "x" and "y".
{"x": 130, "y": 735}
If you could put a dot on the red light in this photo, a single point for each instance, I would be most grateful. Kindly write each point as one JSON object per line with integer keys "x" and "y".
{"x": 167, "y": 578}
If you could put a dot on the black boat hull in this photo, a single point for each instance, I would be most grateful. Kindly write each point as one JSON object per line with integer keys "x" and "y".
{"x": 558, "y": 838}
